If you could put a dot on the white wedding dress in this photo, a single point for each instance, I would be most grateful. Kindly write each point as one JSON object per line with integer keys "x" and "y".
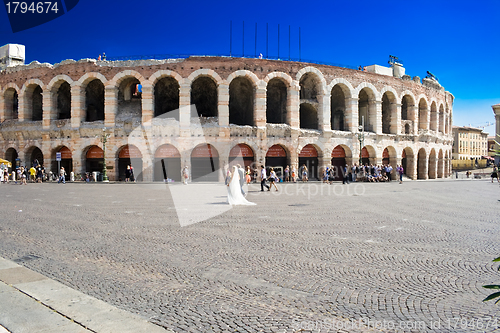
{"x": 234, "y": 195}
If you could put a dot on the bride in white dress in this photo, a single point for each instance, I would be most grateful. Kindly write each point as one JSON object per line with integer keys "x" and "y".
{"x": 234, "y": 195}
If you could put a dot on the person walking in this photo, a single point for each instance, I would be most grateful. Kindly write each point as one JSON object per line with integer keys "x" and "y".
{"x": 294, "y": 174}
{"x": 62, "y": 176}
{"x": 248, "y": 175}
{"x": 273, "y": 179}
{"x": 263, "y": 178}
{"x": 401, "y": 172}
{"x": 185, "y": 175}
{"x": 127, "y": 174}
{"x": 494, "y": 174}
{"x": 304, "y": 173}
{"x": 287, "y": 174}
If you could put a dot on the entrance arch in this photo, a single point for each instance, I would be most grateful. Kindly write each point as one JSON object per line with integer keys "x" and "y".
{"x": 66, "y": 160}
{"x": 338, "y": 162}
{"x": 408, "y": 162}
{"x": 432, "y": 164}
{"x": 440, "y": 164}
{"x": 167, "y": 163}
{"x": 309, "y": 156}
{"x": 204, "y": 163}
{"x": 33, "y": 154}
{"x": 129, "y": 155}
{"x": 276, "y": 102}
{"x": 94, "y": 159}
{"x": 277, "y": 157}
{"x": 241, "y": 154}
{"x": 11, "y": 156}
{"x": 422, "y": 164}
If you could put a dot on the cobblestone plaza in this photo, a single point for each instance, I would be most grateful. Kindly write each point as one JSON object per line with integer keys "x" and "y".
{"x": 311, "y": 254}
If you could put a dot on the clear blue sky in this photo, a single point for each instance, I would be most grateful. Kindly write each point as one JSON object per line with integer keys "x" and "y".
{"x": 458, "y": 41}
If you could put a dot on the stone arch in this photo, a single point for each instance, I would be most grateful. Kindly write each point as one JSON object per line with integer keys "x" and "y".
{"x": 204, "y": 95}
{"x": 434, "y": 117}
{"x": 440, "y": 164}
{"x": 66, "y": 159}
{"x": 129, "y": 154}
{"x": 242, "y": 153}
{"x": 32, "y": 98}
{"x": 389, "y": 101}
{"x": 204, "y": 72}
{"x": 60, "y": 94}
{"x": 94, "y": 101}
{"x": 11, "y": 155}
{"x": 309, "y": 155}
{"x": 11, "y": 101}
{"x": 367, "y": 110}
{"x": 372, "y": 155}
{"x": 312, "y": 70}
{"x": 92, "y": 159}
{"x": 242, "y": 98}
{"x": 339, "y": 93}
{"x": 277, "y": 97}
{"x": 278, "y": 155}
{"x": 346, "y": 86}
{"x": 167, "y": 163}
{"x": 166, "y": 93}
{"x": 407, "y": 105}
{"x": 432, "y": 164}
{"x": 127, "y": 89}
{"x": 244, "y": 73}
{"x": 422, "y": 164}
{"x": 408, "y": 163}
{"x": 423, "y": 114}
{"x": 441, "y": 126}
{"x": 89, "y": 77}
{"x": 33, "y": 153}
{"x": 204, "y": 163}
{"x": 125, "y": 75}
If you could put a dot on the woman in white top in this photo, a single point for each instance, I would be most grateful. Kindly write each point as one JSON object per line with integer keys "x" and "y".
{"x": 234, "y": 195}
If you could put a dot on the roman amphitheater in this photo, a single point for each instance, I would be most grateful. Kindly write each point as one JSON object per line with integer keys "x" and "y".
{"x": 269, "y": 112}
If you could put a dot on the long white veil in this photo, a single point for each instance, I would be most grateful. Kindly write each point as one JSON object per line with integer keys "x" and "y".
{"x": 234, "y": 195}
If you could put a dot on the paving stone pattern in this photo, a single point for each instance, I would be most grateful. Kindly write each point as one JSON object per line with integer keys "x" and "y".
{"x": 416, "y": 252}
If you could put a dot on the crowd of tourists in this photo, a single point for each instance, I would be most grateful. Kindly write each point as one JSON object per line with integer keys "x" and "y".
{"x": 365, "y": 173}
{"x": 35, "y": 174}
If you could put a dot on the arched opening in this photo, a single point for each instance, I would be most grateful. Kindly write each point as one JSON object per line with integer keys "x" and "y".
{"x": 422, "y": 115}
{"x": 204, "y": 163}
{"x": 276, "y": 101}
{"x": 204, "y": 96}
{"x": 66, "y": 161}
{"x": 166, "y": 94}
{"x": 94, "y": 159}
{"x": 407, "y": 129}
{"x": 34, "y": 156}
{"x": 385, "y": 157}
{"x": 440, "y": 166}
{"x": 407, "y": 162}
{"x": 241, "y": 154}
{"x": 277, "y": 158}
{"x": 310, "y": 87}
{"x": 432, "y": 164}
{"x": 365, "y": 156}
{"x": 441, "y": 119}
{"x": 12, "y": 156}
{"x": 388, "y": 103}
{"x": 338, "y": 162}
{"x": 434, "y": 117}
{"x": 241, "y": 101}
{"x": 406, "y": 103}
{"x": 129, "y": 156}
{"x": 308, "y": 116}
{"x": 422, "y": 164}
{"x": 365, "y": 102}
{"x": 11, "y": 104}
{"x": 167, "y": 163}
{"x": 308, "y": 156}
{"x": 94, "y": 101}
{"x": 337, "y": 109}
{"x": 34, "y": 102}
{"x": 63, "y": 101}
{"x": 129, "y": 99}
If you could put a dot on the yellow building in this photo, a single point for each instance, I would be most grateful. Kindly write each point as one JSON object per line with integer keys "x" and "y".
{"x": 469, "y": 143}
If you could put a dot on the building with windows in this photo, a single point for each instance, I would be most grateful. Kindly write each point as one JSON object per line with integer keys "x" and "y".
{"x": 269, "y": 112}
{"x": 469, "y": 143}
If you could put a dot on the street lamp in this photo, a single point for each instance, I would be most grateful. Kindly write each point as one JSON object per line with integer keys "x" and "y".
{"x": 361, "y": 138}
{"x": 104, "y": 139}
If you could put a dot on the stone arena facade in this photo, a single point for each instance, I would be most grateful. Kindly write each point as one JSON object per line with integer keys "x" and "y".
{"x": 275, "y": 112}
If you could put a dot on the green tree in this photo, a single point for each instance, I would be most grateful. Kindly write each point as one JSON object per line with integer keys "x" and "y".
{"x": 496, "y": 294}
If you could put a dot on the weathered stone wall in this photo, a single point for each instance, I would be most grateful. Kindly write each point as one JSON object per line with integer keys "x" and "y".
{"x": 166, "y": 84}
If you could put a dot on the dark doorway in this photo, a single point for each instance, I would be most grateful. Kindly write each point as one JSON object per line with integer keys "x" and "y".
{"x": 204, "y": 163}
{"x": 167, "y": 163}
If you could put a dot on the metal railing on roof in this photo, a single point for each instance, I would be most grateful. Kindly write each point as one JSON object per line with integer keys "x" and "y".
{"x": 185, "y": 56}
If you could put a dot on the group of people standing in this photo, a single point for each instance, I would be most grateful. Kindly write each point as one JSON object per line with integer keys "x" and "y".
{"x": 22, "y": 175}
{"x": 367, "y": 173}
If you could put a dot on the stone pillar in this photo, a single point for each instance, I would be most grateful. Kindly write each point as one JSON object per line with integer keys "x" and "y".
{"x": 293, "y": 105}
{"x": 259, "y": 110}
{"x": 432, "y": 167}
{"x": 351, "y": 115}
{"x": 77, "y": 106}
{"x": 185, "y": 110}
{"x": 440, "y": 168}
{"x": 23, "y": 107}
{"x": 413, "y": 116}
{"x": 49, "y": 109}
{"x": 396, "y": 119}
{"x": 110, "y": 105}
{"x": 411, "y": 165}
{"x": 3, "y": 110}
{"x": 223, "y": 110}
{"x": 147, "y": 103}
{"x": 324, "y": 112}
{"x": 375, "y": 115}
